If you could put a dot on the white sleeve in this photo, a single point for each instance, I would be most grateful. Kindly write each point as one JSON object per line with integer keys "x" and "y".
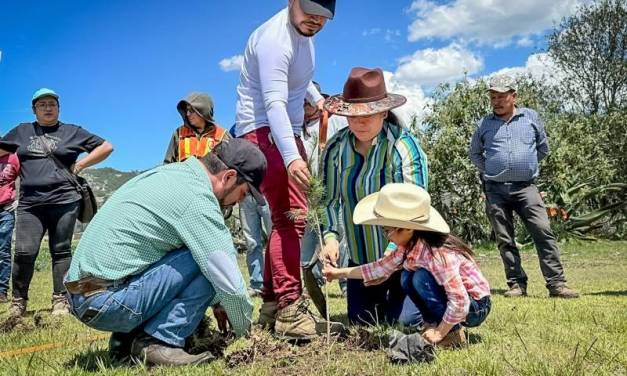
{"x": 274, "y": 66}
{"x": 282, "y": 136}
{"x": 312, "y": 95}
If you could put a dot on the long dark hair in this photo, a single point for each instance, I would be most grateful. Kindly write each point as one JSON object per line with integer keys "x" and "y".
{"x": 436, "y": 242}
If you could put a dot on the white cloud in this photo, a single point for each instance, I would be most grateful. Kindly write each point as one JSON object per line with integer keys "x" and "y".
{"x": 525, "y": 41}
{"x": 494, "y": 22}
{"x": 373, "y": 31}
{"x": 233, "y": 63}
{"x": 430, "y": 67}
{"x": 388, "y": 34}
{"x": 416, "y": 100}
{"x": 539, "y": 66}
{"x": 0, "y": 55}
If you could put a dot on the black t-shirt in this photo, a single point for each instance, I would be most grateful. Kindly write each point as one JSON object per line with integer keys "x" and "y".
{"x": 41, "y": 180}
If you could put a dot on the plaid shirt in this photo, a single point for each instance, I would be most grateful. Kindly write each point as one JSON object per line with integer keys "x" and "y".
{"x": 459, "y": 276}
{"x": 509, "y": 151}
{"x": 161, "y": 210}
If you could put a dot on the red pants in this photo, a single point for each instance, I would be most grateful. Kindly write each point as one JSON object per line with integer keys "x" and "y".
{"x": 281, "y": 277}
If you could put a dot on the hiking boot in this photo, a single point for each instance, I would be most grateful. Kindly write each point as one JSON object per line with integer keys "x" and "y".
{"x": 297, "y": 322}
{"x": 60, "y": 305}
{"x": 562, "y": 291}
{"x": 516, "y": 290}
{"x": 267, "y": 315}
{"x": 120, "y": 344}
{"x": 153, "y": 352}
{"x": 454, "y": 339}
{"x": 17, "y": 308}
{"x": 3, "y": 298}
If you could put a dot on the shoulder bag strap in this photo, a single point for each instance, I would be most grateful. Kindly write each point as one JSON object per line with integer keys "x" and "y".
{"x": 69, "y": 175}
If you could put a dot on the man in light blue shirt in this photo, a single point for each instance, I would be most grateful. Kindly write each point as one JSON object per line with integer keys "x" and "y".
{"x": 506, "y": 148}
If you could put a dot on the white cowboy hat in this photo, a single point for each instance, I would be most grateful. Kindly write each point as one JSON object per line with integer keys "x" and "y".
{"x": 401, "y": 205}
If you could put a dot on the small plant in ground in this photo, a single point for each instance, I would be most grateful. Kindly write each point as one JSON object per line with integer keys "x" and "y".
{"x": 207, "y": 338}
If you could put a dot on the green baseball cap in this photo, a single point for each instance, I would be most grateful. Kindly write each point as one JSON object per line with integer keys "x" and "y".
{"x": 44, "y": 92}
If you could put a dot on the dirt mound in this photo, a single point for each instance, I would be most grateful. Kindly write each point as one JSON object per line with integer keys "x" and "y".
{"x": 23, "y": 324}
{"x": 206, "y": 338}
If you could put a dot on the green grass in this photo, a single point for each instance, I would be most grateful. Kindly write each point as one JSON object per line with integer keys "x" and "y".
{"x": 528, "y": 336}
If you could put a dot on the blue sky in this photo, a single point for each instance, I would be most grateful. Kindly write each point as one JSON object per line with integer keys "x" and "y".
{"x": 120, "y": 66}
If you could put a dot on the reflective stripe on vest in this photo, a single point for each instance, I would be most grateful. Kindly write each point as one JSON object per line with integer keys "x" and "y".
{"x": 191, "y": 145}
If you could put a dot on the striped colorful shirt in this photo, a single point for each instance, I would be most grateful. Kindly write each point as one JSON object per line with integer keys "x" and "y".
{"x": 509, "y": 151}
{"x": 459, "y": 276}
{"x": 164, "y": 209}
{"x": 395, "y": 157}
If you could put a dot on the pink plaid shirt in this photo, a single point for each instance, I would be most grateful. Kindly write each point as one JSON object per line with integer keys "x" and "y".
{"x": 459, "y": 276}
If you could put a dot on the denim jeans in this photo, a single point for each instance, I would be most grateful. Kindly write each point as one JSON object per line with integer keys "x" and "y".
{"x": 256, "y": 222}
{"x": 308, "y": 248}
{"x": 7, "y": 221}
{"x": 384, "y": 303}
{"x": 431, "y": 300}
{"x": 168, "y": 300}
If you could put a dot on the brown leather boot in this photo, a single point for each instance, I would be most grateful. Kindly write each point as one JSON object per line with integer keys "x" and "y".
{"x": 297, "y": 322}
{"x": 562, "y": 291}
{"x": 517, "y": 290}
{"x": 153, "y": 352}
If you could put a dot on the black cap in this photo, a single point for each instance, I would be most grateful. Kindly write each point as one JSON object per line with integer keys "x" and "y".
{"x": 9, "y": 146}
{"x": 324, "y": 8}
{"x": 249, "y": 162}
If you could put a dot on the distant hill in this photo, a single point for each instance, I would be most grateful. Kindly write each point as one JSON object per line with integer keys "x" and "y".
{"x": 105, "y": 181}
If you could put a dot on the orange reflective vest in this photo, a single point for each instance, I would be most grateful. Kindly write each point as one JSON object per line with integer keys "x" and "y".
{"x": 192, "y": 145}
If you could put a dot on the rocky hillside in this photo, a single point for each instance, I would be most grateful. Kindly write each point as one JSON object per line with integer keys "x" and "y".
{"x": 105, "y": 181}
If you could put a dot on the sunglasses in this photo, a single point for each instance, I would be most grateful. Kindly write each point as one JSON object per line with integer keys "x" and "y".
{"x": 389, "y": 231}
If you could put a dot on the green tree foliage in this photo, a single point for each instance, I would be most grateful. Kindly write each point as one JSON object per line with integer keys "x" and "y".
{"x": 590, "y": 49}
{"x": 585, "y": 174}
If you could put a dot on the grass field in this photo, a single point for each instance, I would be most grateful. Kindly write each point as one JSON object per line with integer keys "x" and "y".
{"x": 527, "y": 336}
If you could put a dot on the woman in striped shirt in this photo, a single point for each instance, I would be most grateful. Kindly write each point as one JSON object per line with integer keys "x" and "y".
{"x": 372, "y": 151}
{"x": 439, "y": 273}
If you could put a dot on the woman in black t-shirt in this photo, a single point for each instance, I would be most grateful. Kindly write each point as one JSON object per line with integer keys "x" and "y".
{"x": 48, "y": 200}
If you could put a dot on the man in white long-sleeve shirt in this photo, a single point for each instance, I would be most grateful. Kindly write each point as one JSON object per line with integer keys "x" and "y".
{"x": 275, "y": 80}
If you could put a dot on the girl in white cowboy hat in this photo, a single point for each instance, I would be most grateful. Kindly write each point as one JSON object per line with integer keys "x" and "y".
{"x": 438, "y": 270}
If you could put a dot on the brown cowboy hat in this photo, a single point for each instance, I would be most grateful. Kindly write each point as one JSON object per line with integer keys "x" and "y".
{"x": 364, "y": 94}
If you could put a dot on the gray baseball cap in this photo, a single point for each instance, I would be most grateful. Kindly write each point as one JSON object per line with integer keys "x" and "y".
{"x": 502, "y": 83}
{"x": 324, "y": 8}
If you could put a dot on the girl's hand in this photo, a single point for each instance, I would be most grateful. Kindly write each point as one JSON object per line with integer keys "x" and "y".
{"x": 330, "y": 272}
{"x": 433, "y": 335}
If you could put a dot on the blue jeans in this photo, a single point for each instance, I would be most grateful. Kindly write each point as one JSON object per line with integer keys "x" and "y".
{"x": 255, "y": 222}
{"x": 308, "y": 247}
{"x": 430, "y": 298}
{"x": 7, "y": 222}
{"x": 384, "y": 303}
{"x": 168, "y": 300}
